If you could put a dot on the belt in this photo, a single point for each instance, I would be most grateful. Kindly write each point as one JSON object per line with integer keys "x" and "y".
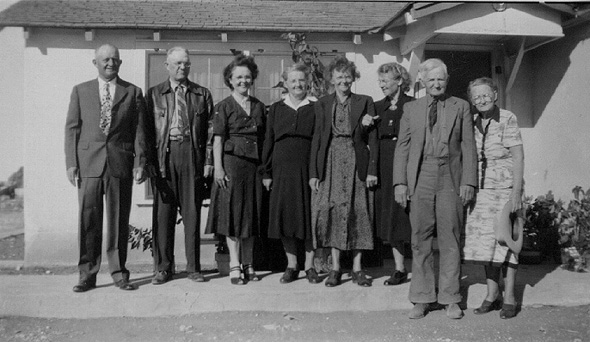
{"x": 388, "y": 137}
{"x": 179, "y": 138}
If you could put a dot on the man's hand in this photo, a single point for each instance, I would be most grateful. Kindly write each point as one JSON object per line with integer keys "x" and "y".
{"x": 466, "y": 193}
{"x": 314, "y": 184}
{"x": 267, "y": 183}
{"x": 73, "y": 175}
{"x": 400, "y": 192}
{"x": 139, "y": 175}
{"x": 371, "y": 181}
{"x": 368, "y": 120}
{"x": 221, "y": 178}
{"x": 208, "y": 171}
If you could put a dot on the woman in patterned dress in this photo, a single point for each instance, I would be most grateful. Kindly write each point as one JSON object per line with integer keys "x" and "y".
{"x": 501, "y": 167}
{"x": 286, "y": 171}
{"x": 236, "y": 196}
{"x": 343, "y": 166}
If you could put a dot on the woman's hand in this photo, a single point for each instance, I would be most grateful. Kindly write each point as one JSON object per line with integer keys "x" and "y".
{"x": 371, "y": 181}
{"x": 267, "y": 183}
{"x": 314, "y": 184}
{"x": 516, "y": 200}
{"x": 368, "y": 120}
{"x": 220, "y": 177}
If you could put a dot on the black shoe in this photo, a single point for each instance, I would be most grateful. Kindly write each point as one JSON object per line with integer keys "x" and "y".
{"x": 312, "y": 276}
{"x": 486, "y": 307}
{"x": 197, "y": 277}
{"x": 508, "y": 311}
{"x": 289, "y": 275}
{"x": 124, "y": 284}
{"x": 398, "y": 277}
{"x": 162, "y": 277}
{"x": 249, "y": 273}
{"x": 360, "y": 278}
{"x": 84, "y": 285}
{"x": 334, "y": 278}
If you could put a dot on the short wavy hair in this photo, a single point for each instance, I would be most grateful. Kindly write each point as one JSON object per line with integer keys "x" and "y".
{"x": 342, "y": 64}
{"x": 431, "y": 64}
{"x": 481, "y": 81}
{"x": 239, "y": 60}
{"x": 398, "y": 72}
{"x": 297, "y": 67}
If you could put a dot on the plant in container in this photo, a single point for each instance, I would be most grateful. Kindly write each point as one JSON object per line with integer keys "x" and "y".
{"x": 540, "y": 238}
{"x": 574, "y": 231}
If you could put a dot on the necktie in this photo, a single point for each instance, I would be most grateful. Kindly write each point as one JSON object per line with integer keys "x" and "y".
{"x": 432, "y": 114}
{"x": 181, "y": 108}
{"x": 106, "y": 103}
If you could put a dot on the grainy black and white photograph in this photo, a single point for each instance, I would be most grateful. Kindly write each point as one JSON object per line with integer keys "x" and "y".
{"x": 281, "y": 170}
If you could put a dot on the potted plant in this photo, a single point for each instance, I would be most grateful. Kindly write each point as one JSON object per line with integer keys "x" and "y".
{"x": 541, "y": 237}
{"x": 574, "y": 231}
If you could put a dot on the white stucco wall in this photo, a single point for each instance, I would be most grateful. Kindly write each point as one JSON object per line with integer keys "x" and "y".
{"x": 557, "y": 147}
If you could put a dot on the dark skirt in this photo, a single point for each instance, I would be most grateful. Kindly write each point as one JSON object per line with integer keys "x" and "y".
{"x": 391, "y": 220}
{"x": 290, "y": 198}
{"x": 236, "y": 211}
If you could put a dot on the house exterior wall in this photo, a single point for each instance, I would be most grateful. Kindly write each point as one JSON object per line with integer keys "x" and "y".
{"x": 558, "y": 144}
{"x": 57, "y": 59}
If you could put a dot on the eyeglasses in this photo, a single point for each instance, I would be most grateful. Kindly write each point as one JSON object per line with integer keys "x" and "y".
{"x": 184, "y": 64}
{"x": 485, "y": 97}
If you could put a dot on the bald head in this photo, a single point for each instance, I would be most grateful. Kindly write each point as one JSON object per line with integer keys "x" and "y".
{"x": 107, "y": 61}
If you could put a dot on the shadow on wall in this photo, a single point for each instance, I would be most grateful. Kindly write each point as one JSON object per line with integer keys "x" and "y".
{"x": 552, "y": 61}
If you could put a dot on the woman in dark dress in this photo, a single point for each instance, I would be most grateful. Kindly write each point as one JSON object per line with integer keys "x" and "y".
{"x": 391, "y": 220}
{"x": 286, "y": 171}
{"x": 343, "y": 166}
{"x": 236, "y": 196}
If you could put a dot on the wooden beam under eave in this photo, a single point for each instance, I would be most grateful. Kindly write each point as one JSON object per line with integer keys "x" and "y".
{"x": 515, "y": 68}
{"x": 394, "y": 33}
{"x": 417, "y": 34}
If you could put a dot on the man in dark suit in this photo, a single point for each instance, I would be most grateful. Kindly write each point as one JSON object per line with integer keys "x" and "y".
{"x": 178, "y": 122}
{"x": 104, "y": 146}
{"x": 435, "y": 168}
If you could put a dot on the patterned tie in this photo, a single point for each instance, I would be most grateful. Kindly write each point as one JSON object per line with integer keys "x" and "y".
{"x": 106, "y": 103}
{"x": 432, "y": 114}
{"x": 181, "y": 108}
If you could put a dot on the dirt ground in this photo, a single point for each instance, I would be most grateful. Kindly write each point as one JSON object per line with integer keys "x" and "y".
{"x": 532, "y": 324}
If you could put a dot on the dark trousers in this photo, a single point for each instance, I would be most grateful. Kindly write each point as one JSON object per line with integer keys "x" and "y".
{"x": 117, "y": 193}
{"x": 177, "y": 191}
{"x": 435, "y": 204}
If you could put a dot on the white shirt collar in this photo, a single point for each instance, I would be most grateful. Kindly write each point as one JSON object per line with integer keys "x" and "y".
{"x": 305, "y": 101}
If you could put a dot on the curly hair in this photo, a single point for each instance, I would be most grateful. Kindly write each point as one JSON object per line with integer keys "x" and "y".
{"x": 481, "y": 81}
{"x": 239, "y": 60}
{"x": 297, "y": 67}
{"x": 342, "y": 64}
{"x": 398, "y": 72}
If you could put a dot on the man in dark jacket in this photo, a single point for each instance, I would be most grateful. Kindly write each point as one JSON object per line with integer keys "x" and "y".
{"x": 179, "y": 112}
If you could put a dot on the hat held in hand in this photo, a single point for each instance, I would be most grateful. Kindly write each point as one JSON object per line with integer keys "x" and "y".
{"x": 509, "y": 228}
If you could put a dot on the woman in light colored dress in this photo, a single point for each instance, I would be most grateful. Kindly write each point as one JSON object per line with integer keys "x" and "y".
{"x": 501, "y": 167}
{"x": 343, "y": 166}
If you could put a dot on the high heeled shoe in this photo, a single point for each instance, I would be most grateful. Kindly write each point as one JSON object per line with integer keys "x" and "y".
{"x": 312, "y": 276}
{"x": 334, "y": 278}
{"x": 249, "y": 273}
{"x": 360, "y": 278}
{"x": 398, "y": 277}
{"x": 289, "y": 275}
{"x": 508, "y": 311}
{"x": 236, "y": 280}
{"x": 487, "y": 306}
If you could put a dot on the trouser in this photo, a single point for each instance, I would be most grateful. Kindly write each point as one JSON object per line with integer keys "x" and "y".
{"x": 435, "y": 205}
{"x": 177, "y": 191}
{"x": 117, "y": 196}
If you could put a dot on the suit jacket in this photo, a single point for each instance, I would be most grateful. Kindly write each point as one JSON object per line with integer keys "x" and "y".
{"x": 160, "y": 104}
{"x": 411, "y": 140}
{"x": 366, "y": 144}
{"x": 88, "y": 148}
